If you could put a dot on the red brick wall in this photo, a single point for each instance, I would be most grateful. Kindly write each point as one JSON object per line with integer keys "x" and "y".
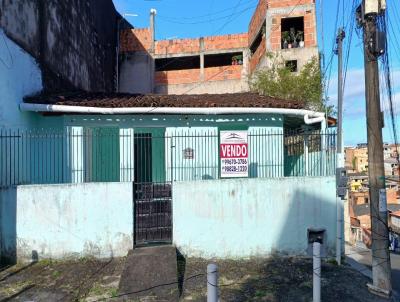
{"x": 257, "y": 19}
{"x": 172, "y": 77}
{"x": 257, "y": 56}
{"x": 226, "y": 42}
{"x": 177, "y": 46}
{"x": 223, "y": 73}
{"x": 138, "y": 39}
{"x": 188, "y": 76}
{"x": 286, "y": 3}
{"x": 188, "y": 46}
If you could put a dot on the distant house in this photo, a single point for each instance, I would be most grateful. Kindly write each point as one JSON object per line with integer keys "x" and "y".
{"x": 394, "y": 221}
{"x": 391, "y": 166}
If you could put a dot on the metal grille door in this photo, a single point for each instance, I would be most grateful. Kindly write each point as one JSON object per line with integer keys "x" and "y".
{"x": 153, "y": 213}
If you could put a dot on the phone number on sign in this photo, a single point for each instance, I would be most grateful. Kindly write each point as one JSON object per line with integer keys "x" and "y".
{"x": 234, "y": 168}
{"x": 235, "y": 161}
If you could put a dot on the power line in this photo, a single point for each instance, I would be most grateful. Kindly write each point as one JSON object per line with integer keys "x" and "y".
{"x": 230, "y": 18}
{"x": 224, "y": 11}
{"x": 235, "y": 13}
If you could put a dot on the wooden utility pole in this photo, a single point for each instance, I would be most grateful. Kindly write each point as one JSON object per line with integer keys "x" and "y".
{"x": 381, "y": 269}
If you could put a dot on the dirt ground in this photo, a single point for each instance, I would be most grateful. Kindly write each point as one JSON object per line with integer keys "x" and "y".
{"x": 272, "y": 279}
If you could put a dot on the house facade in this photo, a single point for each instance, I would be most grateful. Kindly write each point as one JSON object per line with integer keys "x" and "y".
{"x": 87, "y": 171}
{"x": 159, "y": 152}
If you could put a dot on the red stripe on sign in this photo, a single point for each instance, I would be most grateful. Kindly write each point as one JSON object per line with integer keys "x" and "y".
{"x": 233, "y": 150}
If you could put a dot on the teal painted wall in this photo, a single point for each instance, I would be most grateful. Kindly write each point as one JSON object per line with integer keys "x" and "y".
{"x": 193, "y": 132}
{"x": 252, "y": 217}
{"x": 69, "y": 220}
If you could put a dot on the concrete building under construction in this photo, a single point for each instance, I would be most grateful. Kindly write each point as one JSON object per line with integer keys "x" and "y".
{"x": 218, "y": 64}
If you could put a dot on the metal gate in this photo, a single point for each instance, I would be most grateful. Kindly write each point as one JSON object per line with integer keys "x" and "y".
{"x": 153, "y": 213}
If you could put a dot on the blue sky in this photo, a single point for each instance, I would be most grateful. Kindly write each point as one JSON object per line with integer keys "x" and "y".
{"x": 191, "y": 18}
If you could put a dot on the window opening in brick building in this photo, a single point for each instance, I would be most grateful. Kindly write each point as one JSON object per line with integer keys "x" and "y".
{"x": 178, "y": 63}
{"x": 292, "y": 32}
{"x": 291, "y": 65}
{"x": 258, "y": 40}
{"x": 224, "y": 59}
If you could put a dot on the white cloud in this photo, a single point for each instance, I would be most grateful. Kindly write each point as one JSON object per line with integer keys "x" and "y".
{"x": 354, "y": 96}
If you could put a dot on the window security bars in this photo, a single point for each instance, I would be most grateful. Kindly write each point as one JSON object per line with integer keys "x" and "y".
{"x": 76, "y": 154}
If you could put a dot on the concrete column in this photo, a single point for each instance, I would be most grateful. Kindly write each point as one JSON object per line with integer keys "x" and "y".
{"x": 153, "y": 14}
{"x": 246, "y": 70}
{"x": 202, "y": 59}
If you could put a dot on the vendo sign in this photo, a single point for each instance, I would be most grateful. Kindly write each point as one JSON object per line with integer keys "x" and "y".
{"x": 234, "y": 154}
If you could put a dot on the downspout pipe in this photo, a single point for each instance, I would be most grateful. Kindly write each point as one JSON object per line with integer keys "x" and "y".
{"x": 310, "y": 117}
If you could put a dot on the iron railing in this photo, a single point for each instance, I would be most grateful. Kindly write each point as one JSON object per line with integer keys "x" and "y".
{"x": 77, "y": 154}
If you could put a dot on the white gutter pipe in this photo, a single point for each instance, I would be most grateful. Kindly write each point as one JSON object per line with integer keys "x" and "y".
{"x": 310, "y": 117}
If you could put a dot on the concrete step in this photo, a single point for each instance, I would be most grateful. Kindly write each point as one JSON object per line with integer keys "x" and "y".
{"x": 151, "y": 273}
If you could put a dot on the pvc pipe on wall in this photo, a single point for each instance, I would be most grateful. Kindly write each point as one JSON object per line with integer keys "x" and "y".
{"x": 310, "y": 117}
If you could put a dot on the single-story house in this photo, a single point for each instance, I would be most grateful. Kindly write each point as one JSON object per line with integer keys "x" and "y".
{"x": 229, "y": 175}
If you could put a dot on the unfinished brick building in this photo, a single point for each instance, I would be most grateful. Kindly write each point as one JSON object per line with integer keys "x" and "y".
{"x": 218, "y": 64}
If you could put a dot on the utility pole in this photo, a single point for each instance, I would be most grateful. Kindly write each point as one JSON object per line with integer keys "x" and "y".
{"x": 340, "y": 152}
{"x": 374, "y": 46}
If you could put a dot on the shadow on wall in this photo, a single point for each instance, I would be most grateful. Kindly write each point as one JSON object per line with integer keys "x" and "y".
{"x": 253, "y": 217}
{"x": 136, "y": 64}
{"x": 8, "y": 216}
{"x": 244, "y": 218}
{"x": 313, "y": 208}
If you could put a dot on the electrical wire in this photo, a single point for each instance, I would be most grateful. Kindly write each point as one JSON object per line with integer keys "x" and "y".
{"x": 209, "y": 14}
{"x": 229, "y": 17}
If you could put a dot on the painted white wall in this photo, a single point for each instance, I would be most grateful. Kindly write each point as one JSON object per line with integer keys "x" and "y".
{"x": 72, "y": 220}
{"x": 20, "y": 75}
{"x": 252, "y": 217}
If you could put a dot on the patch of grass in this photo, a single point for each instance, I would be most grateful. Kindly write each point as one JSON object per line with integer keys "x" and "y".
{"x": 260, "y": 293}
{"x": 104, "y": 291}
{"x": 98, "y": 290}
{"x": 113, "y": 292}
{"x": 15, "y": 287}
{"x": 85, "y": 259}
{"x": 56, "y": 274}
{"x": 332, "y": 261}
{"x": 46, "y": 262}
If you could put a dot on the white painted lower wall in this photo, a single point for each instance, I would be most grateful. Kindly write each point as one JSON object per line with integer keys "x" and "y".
{"x": 73, "y": 220}
{"x": 252, "y": 217}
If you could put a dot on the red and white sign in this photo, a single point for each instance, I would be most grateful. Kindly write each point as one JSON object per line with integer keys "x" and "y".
{"x": 234, "y": 154}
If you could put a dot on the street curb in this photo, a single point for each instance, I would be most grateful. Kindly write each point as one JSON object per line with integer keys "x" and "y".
{"x": 367, "y": 272}
{"x": 361, "y": 268}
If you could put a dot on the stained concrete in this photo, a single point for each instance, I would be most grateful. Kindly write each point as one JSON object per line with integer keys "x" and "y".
{"x": 74, "y": 41}
{"x": 151, "y": 271}
{"x": 66, "y": 221}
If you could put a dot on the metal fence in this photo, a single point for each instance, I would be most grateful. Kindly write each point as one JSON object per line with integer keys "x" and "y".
{"x": 77, "y": 154}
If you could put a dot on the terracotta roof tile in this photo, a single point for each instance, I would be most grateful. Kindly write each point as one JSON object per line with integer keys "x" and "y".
{"x": 119, "y": 100}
